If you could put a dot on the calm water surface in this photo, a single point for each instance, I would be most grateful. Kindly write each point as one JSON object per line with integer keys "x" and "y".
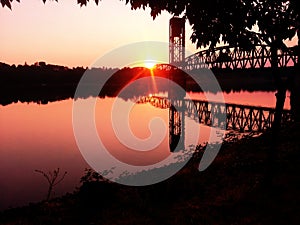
{"x": 41, "y": 137}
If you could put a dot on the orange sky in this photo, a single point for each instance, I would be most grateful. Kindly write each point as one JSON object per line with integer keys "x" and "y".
{"x": 65, "y": 34}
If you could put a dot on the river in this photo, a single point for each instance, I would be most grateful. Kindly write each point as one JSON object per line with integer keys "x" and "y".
{"x": 41, "y": 136}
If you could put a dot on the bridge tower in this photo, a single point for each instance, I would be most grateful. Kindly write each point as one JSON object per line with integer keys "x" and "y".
{"x": 176, "y": 40}
{"x": 176, "y": 58}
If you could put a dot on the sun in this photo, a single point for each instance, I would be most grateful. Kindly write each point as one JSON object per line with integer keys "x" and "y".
{"x": 150, "y": 64}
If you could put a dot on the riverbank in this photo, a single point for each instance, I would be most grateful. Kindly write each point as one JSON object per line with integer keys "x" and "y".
{"x": 231, "y": 191}
{"x": 43, "y": 83}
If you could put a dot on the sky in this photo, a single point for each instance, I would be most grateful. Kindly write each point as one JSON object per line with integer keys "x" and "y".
{"x": 66, "y": 34}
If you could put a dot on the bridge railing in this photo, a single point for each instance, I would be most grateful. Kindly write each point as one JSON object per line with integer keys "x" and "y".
{"x": 227, "y": 57}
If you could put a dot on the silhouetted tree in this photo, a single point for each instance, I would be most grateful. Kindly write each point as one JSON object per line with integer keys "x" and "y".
{"x": 295, "y": 87}
{"x": 52, "y": 179}
{"x": 275, "y": 22}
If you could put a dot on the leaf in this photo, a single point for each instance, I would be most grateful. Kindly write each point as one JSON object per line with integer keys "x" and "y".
{"x": 82, "y": 2}
{"x": 6, "y": 3}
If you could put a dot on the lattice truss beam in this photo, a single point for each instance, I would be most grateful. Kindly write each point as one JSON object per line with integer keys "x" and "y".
{"x": 237, "y": 58}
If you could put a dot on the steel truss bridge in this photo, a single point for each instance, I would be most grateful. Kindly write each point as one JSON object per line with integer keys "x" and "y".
{"x": 233, "y": 58}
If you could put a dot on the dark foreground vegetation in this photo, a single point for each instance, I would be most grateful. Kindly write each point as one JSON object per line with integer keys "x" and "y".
{"x": 233, "y": 190}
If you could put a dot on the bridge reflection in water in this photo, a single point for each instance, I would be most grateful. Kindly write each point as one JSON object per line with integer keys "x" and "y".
{"x": 242, "y": 118}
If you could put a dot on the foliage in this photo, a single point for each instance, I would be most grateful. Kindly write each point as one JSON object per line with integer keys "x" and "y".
{"x": 231, "y": 21}
{"x": 96, "y": 191}
{"x": 275, "y": 21}
{"x": 7, "y": 3}
{"x": 92, "y": 176}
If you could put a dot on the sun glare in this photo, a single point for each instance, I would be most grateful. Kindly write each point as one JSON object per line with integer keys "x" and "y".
{"x": 149, "y": 64}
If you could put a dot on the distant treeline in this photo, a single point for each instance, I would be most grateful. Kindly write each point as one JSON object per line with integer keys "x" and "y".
{"x": 42, "y": 82}
{"x": 43, "y": 74}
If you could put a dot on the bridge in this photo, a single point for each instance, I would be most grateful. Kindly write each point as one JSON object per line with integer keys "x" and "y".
{"x": 226, "y": 57}
{"x": 242, "y": 118}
